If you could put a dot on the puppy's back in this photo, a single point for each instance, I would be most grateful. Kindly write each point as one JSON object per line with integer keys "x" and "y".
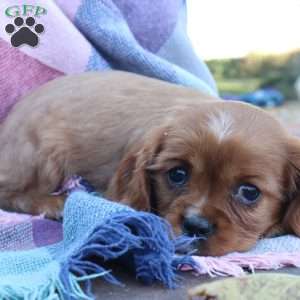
{"x": 89, "y": 120}
{"x": 104, "y": 96}
{"x": 116, "y": 88}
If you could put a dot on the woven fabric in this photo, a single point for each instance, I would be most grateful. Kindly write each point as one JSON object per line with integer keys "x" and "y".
{"x": 43, "y": 259}
{"x": 147, "y": 37}
{"x": 39, "y": 257}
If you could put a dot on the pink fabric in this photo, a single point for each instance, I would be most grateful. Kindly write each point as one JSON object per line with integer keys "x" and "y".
{"x": 13, "y": 83}
{"x": 69, "y": 7}
{"x": 61, "y": 46}
{"x": 234, "y": 264}
{"x": 20, "y": 232}
{"x": 10, "y": 218}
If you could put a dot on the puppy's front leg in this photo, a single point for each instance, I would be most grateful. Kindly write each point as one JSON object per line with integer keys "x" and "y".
{"x": 28, "y": 176}
{"x": 33, "y": 202}
{"x": 50, "y": 206}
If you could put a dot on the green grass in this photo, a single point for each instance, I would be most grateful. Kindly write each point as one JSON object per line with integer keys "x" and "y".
{"x": 238, "y": 86}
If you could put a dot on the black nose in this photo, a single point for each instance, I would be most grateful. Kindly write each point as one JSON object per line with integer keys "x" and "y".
{"x": 197, "y": 226}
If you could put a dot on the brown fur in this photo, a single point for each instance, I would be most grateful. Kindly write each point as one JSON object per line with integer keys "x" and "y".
{"x": 123, "y": 132}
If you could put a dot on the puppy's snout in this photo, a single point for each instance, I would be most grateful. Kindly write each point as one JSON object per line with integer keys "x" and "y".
{"x": 197, "y": 226}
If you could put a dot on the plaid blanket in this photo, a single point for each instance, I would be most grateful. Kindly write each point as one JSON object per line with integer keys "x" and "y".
{"x": 146, "y": 37}
{"x": 43, "y": 259}
{"x": 39, "y": 41}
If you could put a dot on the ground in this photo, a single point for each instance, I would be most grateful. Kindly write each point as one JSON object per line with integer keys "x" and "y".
{"x": 136, "y": 291}
{"x": 289, "y": 113}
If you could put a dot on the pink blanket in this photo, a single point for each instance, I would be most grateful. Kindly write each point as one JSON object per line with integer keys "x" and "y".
{"x": 46, "y": 39}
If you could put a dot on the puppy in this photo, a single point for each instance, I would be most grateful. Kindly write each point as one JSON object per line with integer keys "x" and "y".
{"x": 225, "y": 170}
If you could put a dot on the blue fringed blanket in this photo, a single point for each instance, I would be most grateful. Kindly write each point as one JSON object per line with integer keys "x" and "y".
{"x": 93, "y": 227}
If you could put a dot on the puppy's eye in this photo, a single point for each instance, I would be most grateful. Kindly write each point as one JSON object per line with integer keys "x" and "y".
{"x": 178, "y": 176}
{"x": 246, "y": 193}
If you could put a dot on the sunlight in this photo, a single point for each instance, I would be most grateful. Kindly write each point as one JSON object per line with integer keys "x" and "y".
{"x": 234, "y": 28}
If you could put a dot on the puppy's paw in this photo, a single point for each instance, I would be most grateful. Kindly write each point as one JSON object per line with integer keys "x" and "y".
{"x": 53, "y": 207}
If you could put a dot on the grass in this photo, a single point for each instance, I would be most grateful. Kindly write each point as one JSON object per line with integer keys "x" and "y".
{"x": 238, "y": 86}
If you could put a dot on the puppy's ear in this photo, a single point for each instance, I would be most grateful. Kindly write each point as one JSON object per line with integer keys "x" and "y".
{"x": 291, "y": 220}
{"x": 131, "y": 183}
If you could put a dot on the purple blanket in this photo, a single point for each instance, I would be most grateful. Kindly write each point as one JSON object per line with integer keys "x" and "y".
{"x": 47, "y": 39}
{"x": 27, "y": 232}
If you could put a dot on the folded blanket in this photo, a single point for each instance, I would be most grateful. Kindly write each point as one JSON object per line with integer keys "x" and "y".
{"x": 146, "y": 37}
{"x": 40, "y": 259}
{"x": 81, "y": 35}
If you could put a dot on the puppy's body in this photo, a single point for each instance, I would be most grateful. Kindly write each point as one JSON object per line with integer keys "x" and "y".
{"x": 79, "y": 125}
{"x": 154, "y": 146}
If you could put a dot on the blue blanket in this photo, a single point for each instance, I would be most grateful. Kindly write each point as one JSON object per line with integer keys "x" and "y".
{"x": 95, "y": 231}
{"x": 146, "y": 37}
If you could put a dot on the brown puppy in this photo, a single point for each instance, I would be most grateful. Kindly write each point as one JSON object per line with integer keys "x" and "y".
{"x": 224, "y": 169}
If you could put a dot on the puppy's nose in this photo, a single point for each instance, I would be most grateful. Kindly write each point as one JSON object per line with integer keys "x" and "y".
{"x": 197, "y": 226}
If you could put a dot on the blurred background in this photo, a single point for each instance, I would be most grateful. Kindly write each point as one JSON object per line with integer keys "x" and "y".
{"x": 252, "y": 48}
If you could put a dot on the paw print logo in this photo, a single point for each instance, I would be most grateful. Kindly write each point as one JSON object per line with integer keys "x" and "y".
{"x": 22, "y": 34}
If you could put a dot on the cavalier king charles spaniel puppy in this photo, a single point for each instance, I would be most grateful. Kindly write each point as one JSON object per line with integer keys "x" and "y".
{"x": 220, "y": 169}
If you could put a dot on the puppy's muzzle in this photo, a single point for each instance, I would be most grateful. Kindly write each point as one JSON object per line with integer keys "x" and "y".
{"x": 197, "y": 226}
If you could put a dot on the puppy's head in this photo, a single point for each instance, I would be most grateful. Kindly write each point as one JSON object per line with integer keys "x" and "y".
{"x": 225, "y": 170}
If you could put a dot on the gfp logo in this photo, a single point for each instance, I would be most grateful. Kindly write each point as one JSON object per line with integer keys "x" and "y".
{"x": 24, "y": 29}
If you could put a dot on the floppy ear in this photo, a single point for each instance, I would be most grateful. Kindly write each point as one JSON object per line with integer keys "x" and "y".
{"x": 131, "y": 183}
{"x": 291, "y": 220}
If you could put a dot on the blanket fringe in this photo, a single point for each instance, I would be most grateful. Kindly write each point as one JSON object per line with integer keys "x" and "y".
{"x": 146, "y": 237}
{"x": 144, "y": 240}
{"x": 234, "y": 264}
{"x": 52, "y": 290}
